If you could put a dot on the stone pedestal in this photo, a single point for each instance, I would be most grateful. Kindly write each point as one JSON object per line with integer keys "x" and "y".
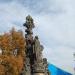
{"x": 38, "y": 74}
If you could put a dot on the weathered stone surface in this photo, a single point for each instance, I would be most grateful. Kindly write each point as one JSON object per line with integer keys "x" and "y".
{"x": 38, "y": 74}
{"x": 35, "y": 64}
{"x": 37, "y": 49}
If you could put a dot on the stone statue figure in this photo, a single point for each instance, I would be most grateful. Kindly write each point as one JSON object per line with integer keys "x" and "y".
{"x": 38, "y": 49}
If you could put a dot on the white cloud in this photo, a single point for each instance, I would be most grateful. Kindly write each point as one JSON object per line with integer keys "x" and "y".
{"x": 60, "y": 56}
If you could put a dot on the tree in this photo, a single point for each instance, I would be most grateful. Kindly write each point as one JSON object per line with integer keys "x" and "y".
{"x": 13, "y": 52}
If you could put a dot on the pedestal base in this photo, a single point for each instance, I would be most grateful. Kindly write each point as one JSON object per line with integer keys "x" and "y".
{"x": 38, "y": 74}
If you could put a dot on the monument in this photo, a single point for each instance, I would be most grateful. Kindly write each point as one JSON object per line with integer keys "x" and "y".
{"x": 35, "y": 64}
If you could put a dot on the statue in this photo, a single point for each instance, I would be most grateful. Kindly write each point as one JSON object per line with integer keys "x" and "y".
{"x": 29, "y": 24}
{"x": 34, "y": 62}
{"x": 38, "y": 49}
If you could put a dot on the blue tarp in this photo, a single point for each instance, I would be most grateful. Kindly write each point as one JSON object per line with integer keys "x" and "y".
{"x": 56, "y": 71}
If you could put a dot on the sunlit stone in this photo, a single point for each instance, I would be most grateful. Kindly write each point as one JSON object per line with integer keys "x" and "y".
{"x": 0, "y": 51}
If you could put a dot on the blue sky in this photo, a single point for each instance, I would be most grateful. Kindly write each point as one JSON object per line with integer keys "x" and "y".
{"x": 55, "y": 26}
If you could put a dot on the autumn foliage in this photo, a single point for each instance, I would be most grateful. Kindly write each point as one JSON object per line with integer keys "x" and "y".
{"x": 12, "y": 57}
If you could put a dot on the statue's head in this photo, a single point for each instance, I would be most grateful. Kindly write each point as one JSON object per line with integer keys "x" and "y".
{"x": 29, "y": 22}
{"x": 36, "y": 37}
{"x": 29, "y": 18}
